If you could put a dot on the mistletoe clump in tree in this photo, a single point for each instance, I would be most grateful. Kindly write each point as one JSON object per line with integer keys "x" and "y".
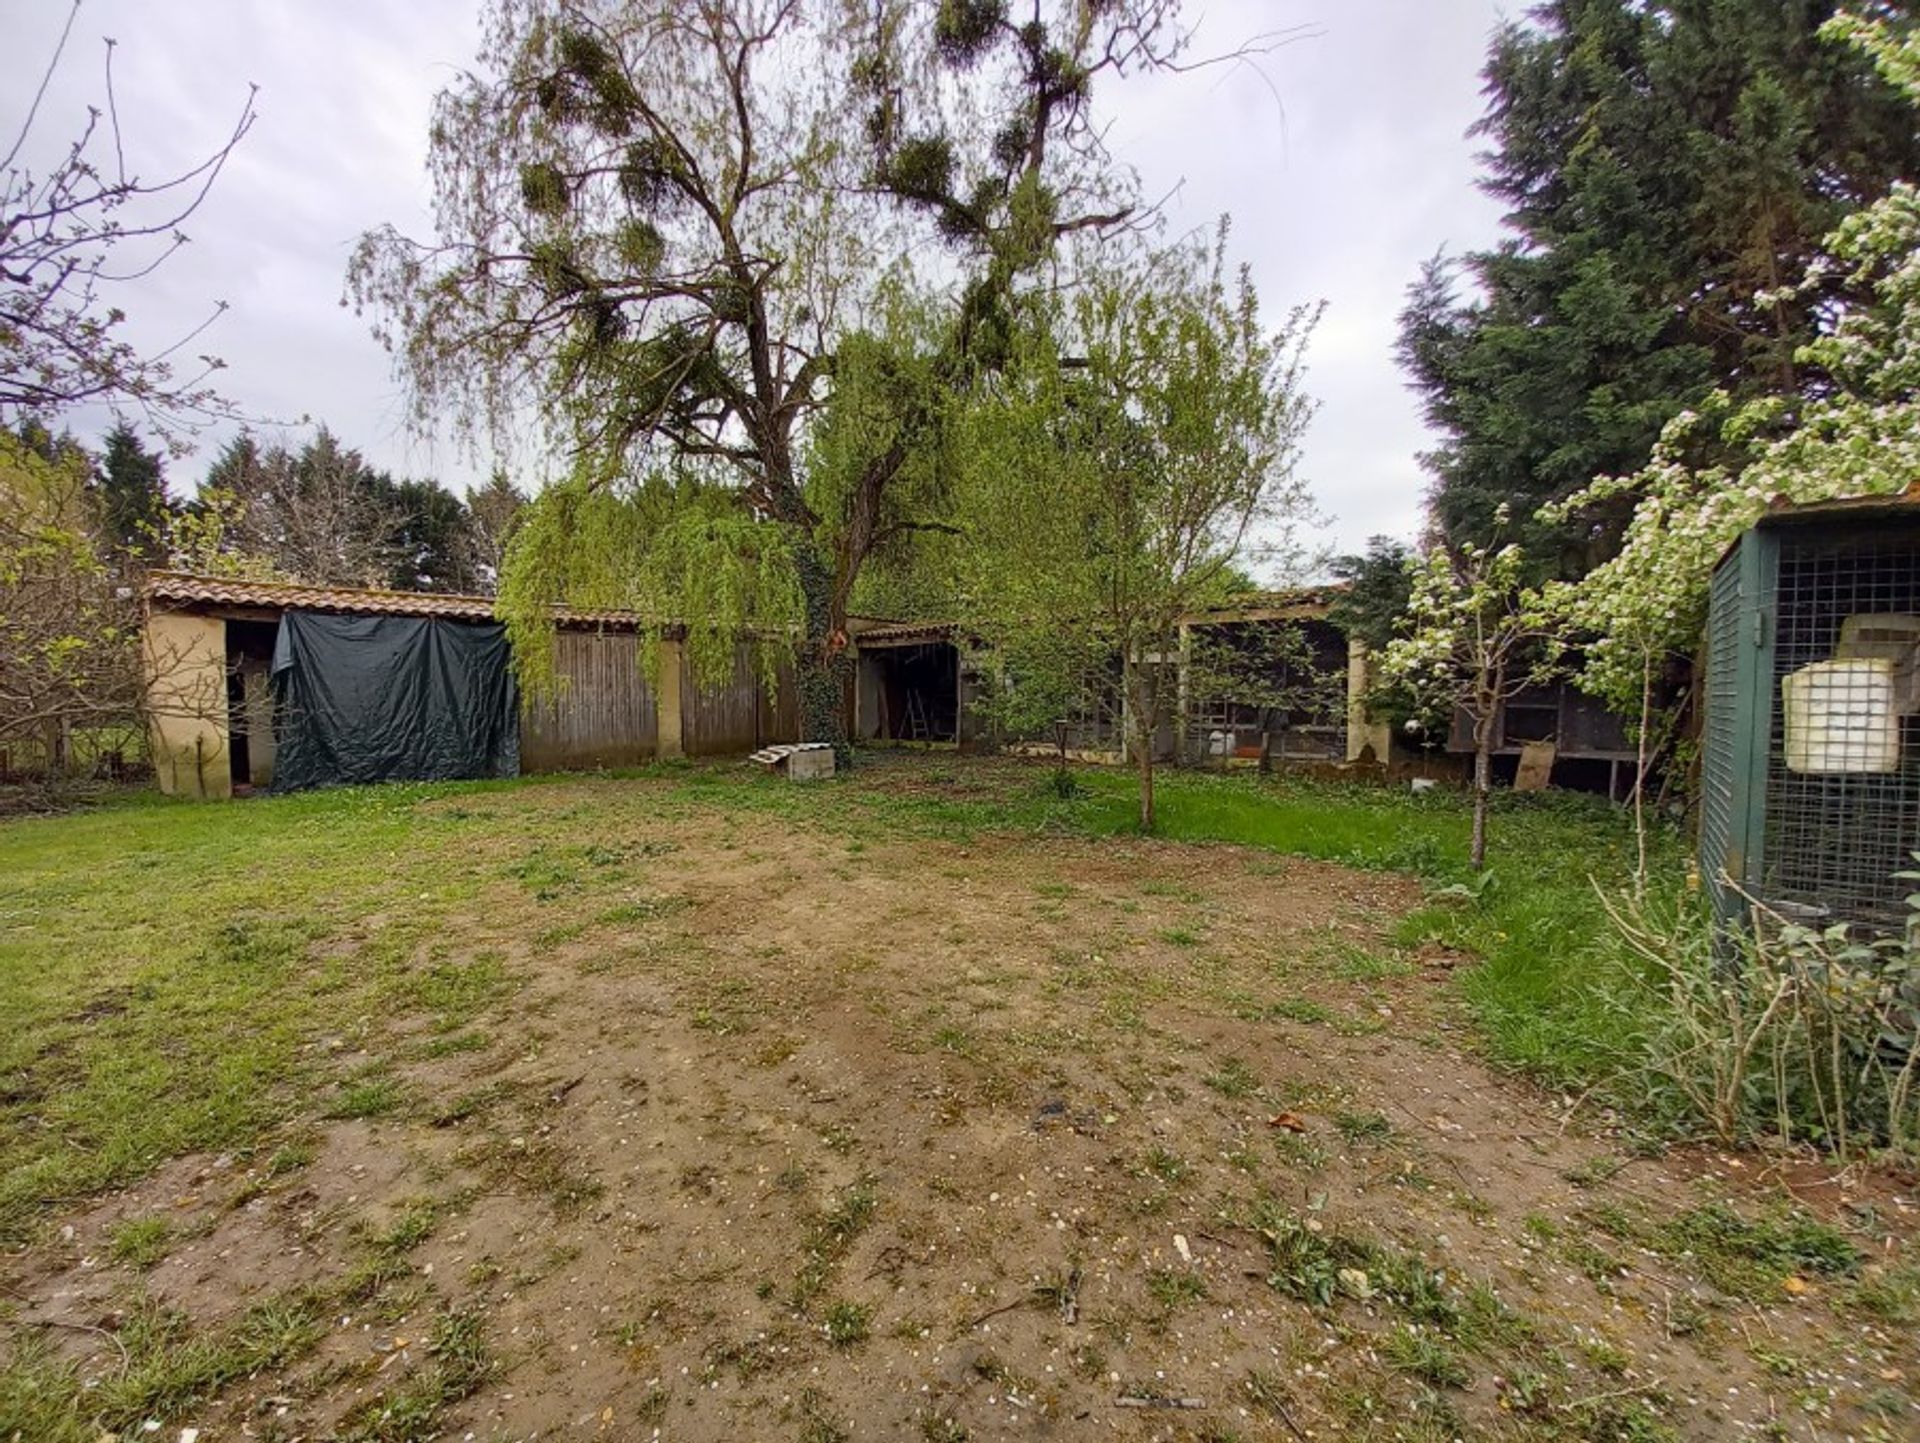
{"x": 673, "y": 239}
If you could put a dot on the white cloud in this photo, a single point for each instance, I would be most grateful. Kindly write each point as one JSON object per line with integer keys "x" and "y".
{"x": 1342, "y": 158}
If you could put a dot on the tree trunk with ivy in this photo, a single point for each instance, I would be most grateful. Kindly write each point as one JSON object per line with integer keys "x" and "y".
{"x": 823, "y": 662}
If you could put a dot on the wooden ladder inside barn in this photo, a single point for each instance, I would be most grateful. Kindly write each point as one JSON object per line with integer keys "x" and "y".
{"x": 917, "y": 728}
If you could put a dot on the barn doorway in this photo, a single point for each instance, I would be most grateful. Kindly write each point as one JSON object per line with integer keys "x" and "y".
{"x": 250, "y": 729}
{"x": 910, "y": 692}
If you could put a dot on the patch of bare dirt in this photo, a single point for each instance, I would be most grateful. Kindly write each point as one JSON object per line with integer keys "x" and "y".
{"x": 789, "y": 1135}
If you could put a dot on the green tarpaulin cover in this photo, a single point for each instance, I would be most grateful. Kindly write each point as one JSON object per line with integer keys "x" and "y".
{"x": 391, "y": 698}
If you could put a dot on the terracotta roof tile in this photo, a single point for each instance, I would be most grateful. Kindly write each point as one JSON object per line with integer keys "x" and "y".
{"x": 901, "y": 631}
{"x": 181, "y": 589}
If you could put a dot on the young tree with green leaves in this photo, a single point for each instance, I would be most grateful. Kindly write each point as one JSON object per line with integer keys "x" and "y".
{"x": 69, "y": 654}
{"x": 1475, "y": 637}
{"x": 1139, "y": 445}
{"x": 668, "y": 231}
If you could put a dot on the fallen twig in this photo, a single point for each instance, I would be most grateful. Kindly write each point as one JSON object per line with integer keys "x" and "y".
{"x": 996, "y": 1312}
{"x": 126, "y": 1359}
{"x": 1133, "y": 1402}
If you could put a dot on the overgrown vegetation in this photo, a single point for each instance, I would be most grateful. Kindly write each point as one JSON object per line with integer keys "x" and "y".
{"x": 1775, "y": 1028}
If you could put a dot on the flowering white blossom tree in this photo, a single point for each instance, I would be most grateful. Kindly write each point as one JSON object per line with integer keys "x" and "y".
{"x": 1720, "y": 466}
{"x": 1475, "y": 637}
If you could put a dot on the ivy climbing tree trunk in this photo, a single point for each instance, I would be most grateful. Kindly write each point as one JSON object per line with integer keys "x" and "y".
{"x": 823, "y": 662}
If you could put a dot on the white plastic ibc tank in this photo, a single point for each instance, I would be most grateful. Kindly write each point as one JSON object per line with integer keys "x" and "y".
{"x": 1843, "y": 716}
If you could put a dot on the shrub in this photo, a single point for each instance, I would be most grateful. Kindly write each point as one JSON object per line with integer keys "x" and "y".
{"x": 1805, "y": 1033}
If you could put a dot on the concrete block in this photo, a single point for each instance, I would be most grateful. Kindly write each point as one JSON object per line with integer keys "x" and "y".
{"x": 810, "y": 765}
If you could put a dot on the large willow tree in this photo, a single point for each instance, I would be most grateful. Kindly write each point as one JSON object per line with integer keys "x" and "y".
{"x": 673, "y": 246}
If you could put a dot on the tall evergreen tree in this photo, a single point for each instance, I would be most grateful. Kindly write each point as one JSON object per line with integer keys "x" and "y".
{"x": 1665, "y": 166}
{"x": 493, "y": 515}
{"x": 432, "y": 545}
{"x": 130, "y": 494}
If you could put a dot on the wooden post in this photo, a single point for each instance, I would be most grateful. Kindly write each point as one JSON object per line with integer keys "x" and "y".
{"x": 1184, "y": 700}
{"x": 669, "y": 723}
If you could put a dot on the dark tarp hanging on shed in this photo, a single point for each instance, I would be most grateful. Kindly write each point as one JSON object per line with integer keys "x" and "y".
{"x": 392, "y": 698}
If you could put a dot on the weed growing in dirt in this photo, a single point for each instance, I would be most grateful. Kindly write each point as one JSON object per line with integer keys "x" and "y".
{"x": 1744, "y": 1257}
{"x": 1233, "y": 1078}
{"x": 848, "y": 1323}
{"x": 816, "y": 1419}
{"x": 829, "y": 1237}
{"x": 291, "y": 1157}
{"x": 168, "y": 1364}
{"x": 1422, "y": 1355}
{"x": 1169, "y": 1167}
{"x": 458, "y": 1363}
{"x": 537, "y": 1165}
{"x": 942, "y": 1428}
{"x": 140, "y": 1242}
{"x": 1892, "y": 1295}
{"x": 1174, "y": 1288}
{"x": 1299, "y": 1009}
{"x": 1362, "y": 1127}
{"x": 1598, "y": 1169}
{"x": 375, "y": 1094}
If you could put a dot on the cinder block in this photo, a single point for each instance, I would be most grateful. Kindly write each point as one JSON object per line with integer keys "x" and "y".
{"x": 810, "y": 765}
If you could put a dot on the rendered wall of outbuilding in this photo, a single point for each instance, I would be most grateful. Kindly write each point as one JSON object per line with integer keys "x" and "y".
{"x": 186, "y": 664}
{"x": 1365, "y": 732}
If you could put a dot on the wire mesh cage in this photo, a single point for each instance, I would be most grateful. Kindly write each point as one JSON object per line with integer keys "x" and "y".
{"x": 1810, "y": 761}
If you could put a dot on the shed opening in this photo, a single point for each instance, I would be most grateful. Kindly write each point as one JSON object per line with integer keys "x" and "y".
{"x": 251, "y": 735}
{"x": 915, "y": 692}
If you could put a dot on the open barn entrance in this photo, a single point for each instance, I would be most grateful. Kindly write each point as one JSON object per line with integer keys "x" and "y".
{"x": 250, "y": 725}
{"x": 910, "y": 692}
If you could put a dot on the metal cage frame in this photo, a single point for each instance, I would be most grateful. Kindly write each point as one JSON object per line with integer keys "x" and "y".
{"x": 1810, "y": 744}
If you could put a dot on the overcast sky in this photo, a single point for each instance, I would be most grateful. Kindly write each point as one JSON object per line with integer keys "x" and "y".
{"x": 1342, "y": 158}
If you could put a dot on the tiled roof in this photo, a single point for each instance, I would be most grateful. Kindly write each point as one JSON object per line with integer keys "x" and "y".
{"x": 180, "y": 589}
{"x": 904, "y": 631}
{"x": 1303, "y": 598}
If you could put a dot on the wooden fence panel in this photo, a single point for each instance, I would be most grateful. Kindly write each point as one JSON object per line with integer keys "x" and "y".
{"x": 780, "y": 709}
{"x": 604, "y": 715}
{"x": 724, "y": 720}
